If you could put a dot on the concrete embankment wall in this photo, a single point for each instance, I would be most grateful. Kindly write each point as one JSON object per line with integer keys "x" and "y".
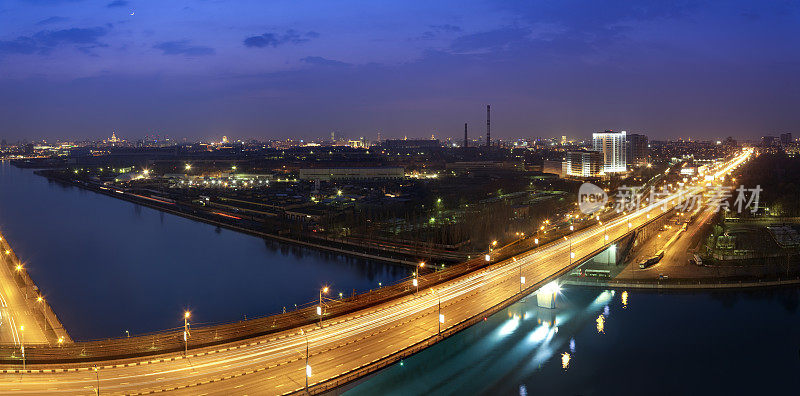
{"x": 682, "y": 284}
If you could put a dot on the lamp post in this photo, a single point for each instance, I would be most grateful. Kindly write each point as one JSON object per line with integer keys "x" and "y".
{"x": 319, "y": 307}
{"x": 97, "y": 376}
{"x": 22, "y": 345}
{"x": 186, "y": 316}
{"x": 441, "y": 317}
{"x": 415, "y": 282}
{"x": 308, "y": 368}
{"x": 571, "y": 228}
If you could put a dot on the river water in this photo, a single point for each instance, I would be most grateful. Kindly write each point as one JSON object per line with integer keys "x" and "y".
{"x": 107, "y": 265}
{"x": 666, "y": 344}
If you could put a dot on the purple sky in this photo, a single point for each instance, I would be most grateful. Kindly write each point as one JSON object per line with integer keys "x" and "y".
{"x": 278, "y": 69}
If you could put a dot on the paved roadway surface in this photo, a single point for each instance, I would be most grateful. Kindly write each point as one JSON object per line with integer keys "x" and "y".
{"x": 276, "y": 364}
{"x": 14, "y": 311}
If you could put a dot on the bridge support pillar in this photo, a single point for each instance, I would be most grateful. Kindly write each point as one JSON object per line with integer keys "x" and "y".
{"x": 546, "y": 300}
{"x": 608, "y": 256}
{"x": 546, "y": 296}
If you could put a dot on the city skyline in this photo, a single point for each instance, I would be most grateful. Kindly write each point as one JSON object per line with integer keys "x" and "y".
{"x": 199, "y": 70}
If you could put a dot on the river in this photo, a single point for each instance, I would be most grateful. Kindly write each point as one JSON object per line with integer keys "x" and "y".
{"x": 107, "y": 265}
{"x": 731, "y": 342}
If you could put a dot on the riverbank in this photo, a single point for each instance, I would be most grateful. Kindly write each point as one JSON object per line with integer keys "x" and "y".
{"x": 683, "y": 284}
{"x": 326, "y": 244}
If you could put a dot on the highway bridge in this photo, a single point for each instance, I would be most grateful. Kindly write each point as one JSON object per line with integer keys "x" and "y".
{"x": 301, "y": 352}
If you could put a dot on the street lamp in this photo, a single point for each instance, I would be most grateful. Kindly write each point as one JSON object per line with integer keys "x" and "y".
{"x": 97, "y": 376}
{"x": 521, "y": 278}
{"x": 319, "y": 307}
{"x": 22, "y": 345}
{"x": 441, "y": 316}
{"x": 415, "y": 282}
{"x": 571, "y": 255}
{"x": 186, "y": 316}
{"x": 308, "y": 368}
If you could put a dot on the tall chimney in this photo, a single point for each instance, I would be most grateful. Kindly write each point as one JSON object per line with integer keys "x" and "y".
{"x": 488, "y": 127}
{"x": 466, "y": 142}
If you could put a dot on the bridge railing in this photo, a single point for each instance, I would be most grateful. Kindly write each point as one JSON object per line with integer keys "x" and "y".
{"x": 205, "y": 335}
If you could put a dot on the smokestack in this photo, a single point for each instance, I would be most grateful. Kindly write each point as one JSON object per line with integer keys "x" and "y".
{"x": 466, "y": 142}
{"x": 488, "y": 127}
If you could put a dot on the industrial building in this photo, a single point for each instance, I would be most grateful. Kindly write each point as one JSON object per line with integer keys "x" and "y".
{"x": 326, "y": 174}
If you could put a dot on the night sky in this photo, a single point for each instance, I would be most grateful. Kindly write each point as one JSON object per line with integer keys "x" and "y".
{"x": 200, "y": 69}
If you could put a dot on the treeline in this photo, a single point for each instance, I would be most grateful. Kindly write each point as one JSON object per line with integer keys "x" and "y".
{"x": 779, "y": 178}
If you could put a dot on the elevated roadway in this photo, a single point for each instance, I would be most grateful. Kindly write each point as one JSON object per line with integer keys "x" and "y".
{"x": 343, "y": 348}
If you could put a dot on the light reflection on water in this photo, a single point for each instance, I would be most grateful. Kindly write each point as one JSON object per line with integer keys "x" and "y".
{"x": 671, "y": 340}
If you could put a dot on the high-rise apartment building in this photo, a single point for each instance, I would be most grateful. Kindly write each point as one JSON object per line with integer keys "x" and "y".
{"x": 637, "y": 148}
{"x": 612, "y": 145}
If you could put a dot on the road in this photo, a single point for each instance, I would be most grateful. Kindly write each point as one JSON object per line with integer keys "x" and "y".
{"x": 276, "y": 364}
{"x": 17, "y": 323}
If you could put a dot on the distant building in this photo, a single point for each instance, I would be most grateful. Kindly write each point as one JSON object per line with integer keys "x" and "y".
{"x": 769, "y": 141}
{"x": 583, "y": 163}
{"x": 637, "y": 149}
{"x": 355, "y": 143}
{"x": 786, "y": 138}
{"x": 612, "y": 145}
{"x": 411, "y": 143}
{"x": 352, "y": 173}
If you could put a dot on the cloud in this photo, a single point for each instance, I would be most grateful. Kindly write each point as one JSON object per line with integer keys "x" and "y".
{"x": 490, "y": 40}
{"x": 320, "y": 61}
{"x": 182, "y": 47}
{"x": 46, "y": 40}
{"x": 269, "y": 39}
{"x": 49, "y": 2}
{"x": 51, "y": 20}
{"x": 436, "y": 30}
{"x": 446, "y": 28}
{"x": 118, "y": 3}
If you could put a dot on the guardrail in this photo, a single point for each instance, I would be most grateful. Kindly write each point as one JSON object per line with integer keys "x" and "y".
{"x": 172, "y": 341}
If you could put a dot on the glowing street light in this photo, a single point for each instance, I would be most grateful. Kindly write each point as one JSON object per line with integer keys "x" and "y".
{"x": 187, "y": 167}
{"x": 22, "y": 345}
{"x": 319, "y": 307}
{"x": 308, "y": 368}
{"x": 415, "y": 282}
{"x": 186, "y": 316}
{"x": 97, "y": 376}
